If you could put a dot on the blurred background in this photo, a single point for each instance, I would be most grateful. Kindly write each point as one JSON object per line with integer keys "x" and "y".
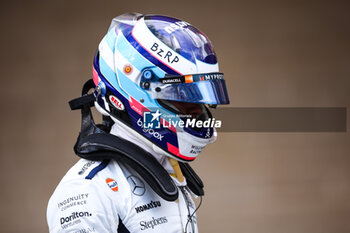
{"x": 273, "y": 54}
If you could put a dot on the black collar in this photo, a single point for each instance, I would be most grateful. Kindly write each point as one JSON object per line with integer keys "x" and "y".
{"x": 95, "y": 143}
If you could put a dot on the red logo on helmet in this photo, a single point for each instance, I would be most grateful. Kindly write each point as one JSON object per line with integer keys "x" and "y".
{"x": 116, "y": 102}
{"x": 112, "y": 184}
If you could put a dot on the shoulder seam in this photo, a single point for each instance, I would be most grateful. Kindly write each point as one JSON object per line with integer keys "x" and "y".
{"x": 97, "y": 169}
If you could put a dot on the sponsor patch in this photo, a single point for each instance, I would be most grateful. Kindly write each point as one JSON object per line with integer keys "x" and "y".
{"x": 148, "y": 206}
{"x": 73, "y": 219}
{"x": 137, "y": 186}
{"x": 116, "y": 102}
{"x": 76, "y": 200}
{"x": 85, "y": 167}
{"x": 112, "y": 184}
{"x": 153, "y": 223}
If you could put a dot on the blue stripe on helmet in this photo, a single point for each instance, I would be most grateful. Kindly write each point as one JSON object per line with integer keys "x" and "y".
{"x": 97, "y": 68}
{"x": 110, "y": 38}
{"x": 111, "y": 76}
{"x": 133, "y": 88}
{"x": 162, "y": 18}
{"x": 139, "y": 61}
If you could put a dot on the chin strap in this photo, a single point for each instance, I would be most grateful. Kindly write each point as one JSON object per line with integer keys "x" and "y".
{"x": 94, "y": 143}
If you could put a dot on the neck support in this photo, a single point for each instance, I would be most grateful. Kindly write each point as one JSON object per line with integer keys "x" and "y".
{"x": 95, "y": 143}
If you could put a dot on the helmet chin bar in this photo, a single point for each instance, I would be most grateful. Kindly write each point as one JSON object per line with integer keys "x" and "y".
{"x": 94, "y": 143}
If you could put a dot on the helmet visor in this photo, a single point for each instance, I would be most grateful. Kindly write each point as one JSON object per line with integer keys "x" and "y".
{"x": 207, "y": 88}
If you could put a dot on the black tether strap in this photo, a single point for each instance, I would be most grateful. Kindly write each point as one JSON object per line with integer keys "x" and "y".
{"x": 93, "y": 143}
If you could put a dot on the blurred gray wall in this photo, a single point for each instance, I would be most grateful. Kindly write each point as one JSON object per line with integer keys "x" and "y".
{"x": 273, "y": 54}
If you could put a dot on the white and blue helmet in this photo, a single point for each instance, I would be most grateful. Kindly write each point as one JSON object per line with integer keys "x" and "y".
{"x": 165, "y": 67}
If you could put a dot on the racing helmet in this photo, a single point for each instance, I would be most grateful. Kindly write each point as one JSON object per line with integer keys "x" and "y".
{"x": 155, "y": 76}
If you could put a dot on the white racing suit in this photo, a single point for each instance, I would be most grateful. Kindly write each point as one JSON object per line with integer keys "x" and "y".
{"x": 109, "y": 196}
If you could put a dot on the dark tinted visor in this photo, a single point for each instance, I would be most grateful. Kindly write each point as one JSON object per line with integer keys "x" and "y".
{"x": 207, "y": 88}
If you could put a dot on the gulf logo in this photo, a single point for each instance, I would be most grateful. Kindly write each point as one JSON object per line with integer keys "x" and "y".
{"x": 112, "y": 184}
